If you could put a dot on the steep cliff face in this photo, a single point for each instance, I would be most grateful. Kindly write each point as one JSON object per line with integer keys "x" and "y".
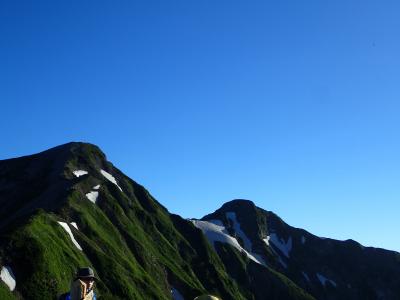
{"x": 69, "y": 207}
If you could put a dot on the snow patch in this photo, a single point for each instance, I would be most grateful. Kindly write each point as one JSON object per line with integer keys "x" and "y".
{"x": 303, "y": 240}
{"x": 110, "y": 178}
{"x": 238, "y": 230}
{"x": 306, "y": 276}
{"x": 246, "y": 241}
{"x": 96, "y": 187}
{"x": 267, "y": 241}
{"x": 68, "y": 230}
{"x": 176, "y": 295}
{"x": 79, "y": 173}
{"x": 92, "y": 196}
{"x": 215, "y": 231}
{"x": 259, "y": 258}
{"x": 74, "y": 224}
{"x": 324, "y": 280}
{"x": 284, "y": 247}
{"x": 8, "y": 277}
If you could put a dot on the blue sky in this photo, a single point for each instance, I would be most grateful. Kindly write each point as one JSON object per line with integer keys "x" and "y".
{"x": 292, "y": 104}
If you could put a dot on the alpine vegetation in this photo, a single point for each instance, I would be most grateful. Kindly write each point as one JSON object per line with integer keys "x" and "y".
{"x": 68, "y": 208}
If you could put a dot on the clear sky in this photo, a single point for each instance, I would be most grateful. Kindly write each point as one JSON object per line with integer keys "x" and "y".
{"x": 292, "y": 104}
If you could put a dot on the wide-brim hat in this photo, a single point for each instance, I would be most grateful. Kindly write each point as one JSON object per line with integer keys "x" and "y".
{"x": 207, "y": 297}
{"x": 86, "y": 272}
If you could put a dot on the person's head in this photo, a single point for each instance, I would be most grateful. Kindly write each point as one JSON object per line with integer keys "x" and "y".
{"x": 86, "y": 275}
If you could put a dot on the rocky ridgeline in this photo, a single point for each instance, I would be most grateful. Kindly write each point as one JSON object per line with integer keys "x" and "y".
{"x": 69, "y": 207}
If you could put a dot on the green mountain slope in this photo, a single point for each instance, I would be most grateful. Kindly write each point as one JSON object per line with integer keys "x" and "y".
{"x": 69, "y": 207}
{"x": 127, "y": 236}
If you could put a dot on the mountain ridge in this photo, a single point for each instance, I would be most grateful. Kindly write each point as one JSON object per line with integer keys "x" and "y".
{"x": 141, "y": 251}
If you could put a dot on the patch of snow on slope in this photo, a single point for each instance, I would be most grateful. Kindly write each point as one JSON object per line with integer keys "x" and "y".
{"x": 68, "y": 230}
{"x": 8, "y": 277}
{"x": 110, "y": 178}
{"x": 79, "y": 173}
{"x": 305, "y": 276}
{"x": 246, "y": 241}
{"x": 259, "y": 258}
{"x": 280, "y": 260}
{"x": 284, "y": 247}
{"x": 176, "y": 295}
{"x": 92, "y": 196}
{"x": 215, "y": 231}
{"x": 324, "y": 280}
{"x": 238, "y": 230}
{"x": 74, "y": 224}
{"x": 96, "y": 187}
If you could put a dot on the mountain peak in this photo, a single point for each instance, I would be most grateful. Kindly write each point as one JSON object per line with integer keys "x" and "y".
{"x": 60, "y": 153}
{"x": 77, "y": 146}
{"x": 241, "y": 207}
{"x": 239, "y": 204}
{"x": 74, "y": 148}
{"x": 43, "y": 180}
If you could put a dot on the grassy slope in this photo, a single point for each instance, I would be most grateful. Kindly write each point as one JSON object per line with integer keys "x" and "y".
{"x": 135, "y": 251}
{"x": 5, "y": 293}
{"x": 135, "y": 246}
{"x": 43, "y": 257}
{"x": 259, "y": 282}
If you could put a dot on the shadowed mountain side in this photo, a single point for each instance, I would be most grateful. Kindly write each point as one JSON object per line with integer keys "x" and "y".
{"x": 325, "y": 268}
{"x": 69, "y": 207}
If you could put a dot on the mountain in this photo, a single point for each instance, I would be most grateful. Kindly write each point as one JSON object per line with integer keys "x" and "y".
{"x": 325, "y": 268}
{"x": 69, "y": 207}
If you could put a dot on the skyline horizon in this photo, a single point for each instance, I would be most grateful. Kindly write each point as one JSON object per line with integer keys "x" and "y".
{"x": 218, "y": 206}
{"x": 292, "y": 105}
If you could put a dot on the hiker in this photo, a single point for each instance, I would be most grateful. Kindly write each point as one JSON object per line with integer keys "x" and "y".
{"x": 207, "y": 297}
{"x": 82, "y": 288}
